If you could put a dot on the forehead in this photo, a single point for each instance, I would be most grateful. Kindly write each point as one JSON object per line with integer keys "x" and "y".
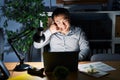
{"x": 61, "y": 16}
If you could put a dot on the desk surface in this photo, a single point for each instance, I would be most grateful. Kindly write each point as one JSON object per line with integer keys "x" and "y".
{"x": 113, "y": 75}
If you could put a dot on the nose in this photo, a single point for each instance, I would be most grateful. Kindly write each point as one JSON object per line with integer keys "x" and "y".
{"x": 61, "y": 23}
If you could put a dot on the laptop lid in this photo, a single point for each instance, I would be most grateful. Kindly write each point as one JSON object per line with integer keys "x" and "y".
{"x": 66, "y": 59}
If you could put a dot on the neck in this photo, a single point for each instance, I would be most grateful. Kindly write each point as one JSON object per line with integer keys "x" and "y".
{"x": 65, "y": 32}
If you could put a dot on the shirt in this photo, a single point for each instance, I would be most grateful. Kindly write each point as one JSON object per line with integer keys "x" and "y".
{"x": 74, "y": 40}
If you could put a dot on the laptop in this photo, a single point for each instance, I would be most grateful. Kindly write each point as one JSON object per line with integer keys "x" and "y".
{"x": 67, "y": 59}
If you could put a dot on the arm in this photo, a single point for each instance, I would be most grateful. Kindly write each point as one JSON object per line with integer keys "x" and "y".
{"x": 47, "y": 35}
{"x": 53, "y": 29}
{"x": 84, "y": 46}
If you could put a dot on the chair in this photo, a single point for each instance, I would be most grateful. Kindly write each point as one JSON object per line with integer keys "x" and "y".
{"x": 105, "y": 57}
{"x": 1, "y": 44}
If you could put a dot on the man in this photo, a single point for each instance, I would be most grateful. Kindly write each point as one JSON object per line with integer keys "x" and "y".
{"x": 62, "y": 36}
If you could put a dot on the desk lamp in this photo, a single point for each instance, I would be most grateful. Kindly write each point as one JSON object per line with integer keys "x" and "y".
{"x": 38, "y": 37}
{"x": 21, "y": 66}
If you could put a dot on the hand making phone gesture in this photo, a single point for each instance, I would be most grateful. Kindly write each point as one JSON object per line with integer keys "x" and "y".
{"x": 60, "y": 24}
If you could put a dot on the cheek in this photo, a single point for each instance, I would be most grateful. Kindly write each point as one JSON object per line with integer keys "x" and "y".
{"x": 67, "y": 24}
{"x": 61, "y": 25}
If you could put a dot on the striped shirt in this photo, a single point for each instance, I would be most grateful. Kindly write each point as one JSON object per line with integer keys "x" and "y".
{"x": 74, "y": 40}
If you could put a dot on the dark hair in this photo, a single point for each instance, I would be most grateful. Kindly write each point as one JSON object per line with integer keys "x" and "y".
{"x": 59, "y": 11}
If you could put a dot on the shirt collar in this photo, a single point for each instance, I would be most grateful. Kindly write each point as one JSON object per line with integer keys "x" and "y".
{"x": 71, "y": 31}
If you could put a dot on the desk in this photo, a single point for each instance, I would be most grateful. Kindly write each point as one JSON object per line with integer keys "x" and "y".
{"x": 114, "y": 75}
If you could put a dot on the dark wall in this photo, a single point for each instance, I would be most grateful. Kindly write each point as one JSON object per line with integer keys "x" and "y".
{"x": 97, "y": 26}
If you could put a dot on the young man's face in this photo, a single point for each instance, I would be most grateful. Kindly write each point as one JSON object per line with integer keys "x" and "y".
{"x": 62, "y": 22}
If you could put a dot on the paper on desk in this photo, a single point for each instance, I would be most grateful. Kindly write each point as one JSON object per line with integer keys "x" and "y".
{"x": 96, "y": 65}
{"x": 95, "y": 69}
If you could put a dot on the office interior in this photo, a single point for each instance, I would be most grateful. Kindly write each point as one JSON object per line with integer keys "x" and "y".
{"x": 100, "y": 19}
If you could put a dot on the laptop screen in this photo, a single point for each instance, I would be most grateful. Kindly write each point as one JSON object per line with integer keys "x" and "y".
{"x": 66, "y": 59}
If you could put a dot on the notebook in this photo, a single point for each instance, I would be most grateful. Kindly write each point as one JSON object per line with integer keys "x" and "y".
{"x": 66, "y": 59}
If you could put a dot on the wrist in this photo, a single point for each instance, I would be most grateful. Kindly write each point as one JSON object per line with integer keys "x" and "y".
{"x": 52, "y": 31}
{"x": 48, "y": 32}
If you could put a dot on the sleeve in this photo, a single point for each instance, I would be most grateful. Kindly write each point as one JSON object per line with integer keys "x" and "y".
{"x": 84, "y": 46}
{"x": 47, "y": 35}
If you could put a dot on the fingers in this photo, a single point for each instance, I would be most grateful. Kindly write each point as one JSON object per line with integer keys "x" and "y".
{"x": 61, "y": 28}
{"x": 54, "y": 28}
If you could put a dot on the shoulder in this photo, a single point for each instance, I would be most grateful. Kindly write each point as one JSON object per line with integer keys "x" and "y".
{"x": 76, "y": 29}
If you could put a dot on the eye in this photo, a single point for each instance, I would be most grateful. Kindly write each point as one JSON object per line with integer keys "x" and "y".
{"x": 65, "y": 20}
{"x": 57, "y": 22}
